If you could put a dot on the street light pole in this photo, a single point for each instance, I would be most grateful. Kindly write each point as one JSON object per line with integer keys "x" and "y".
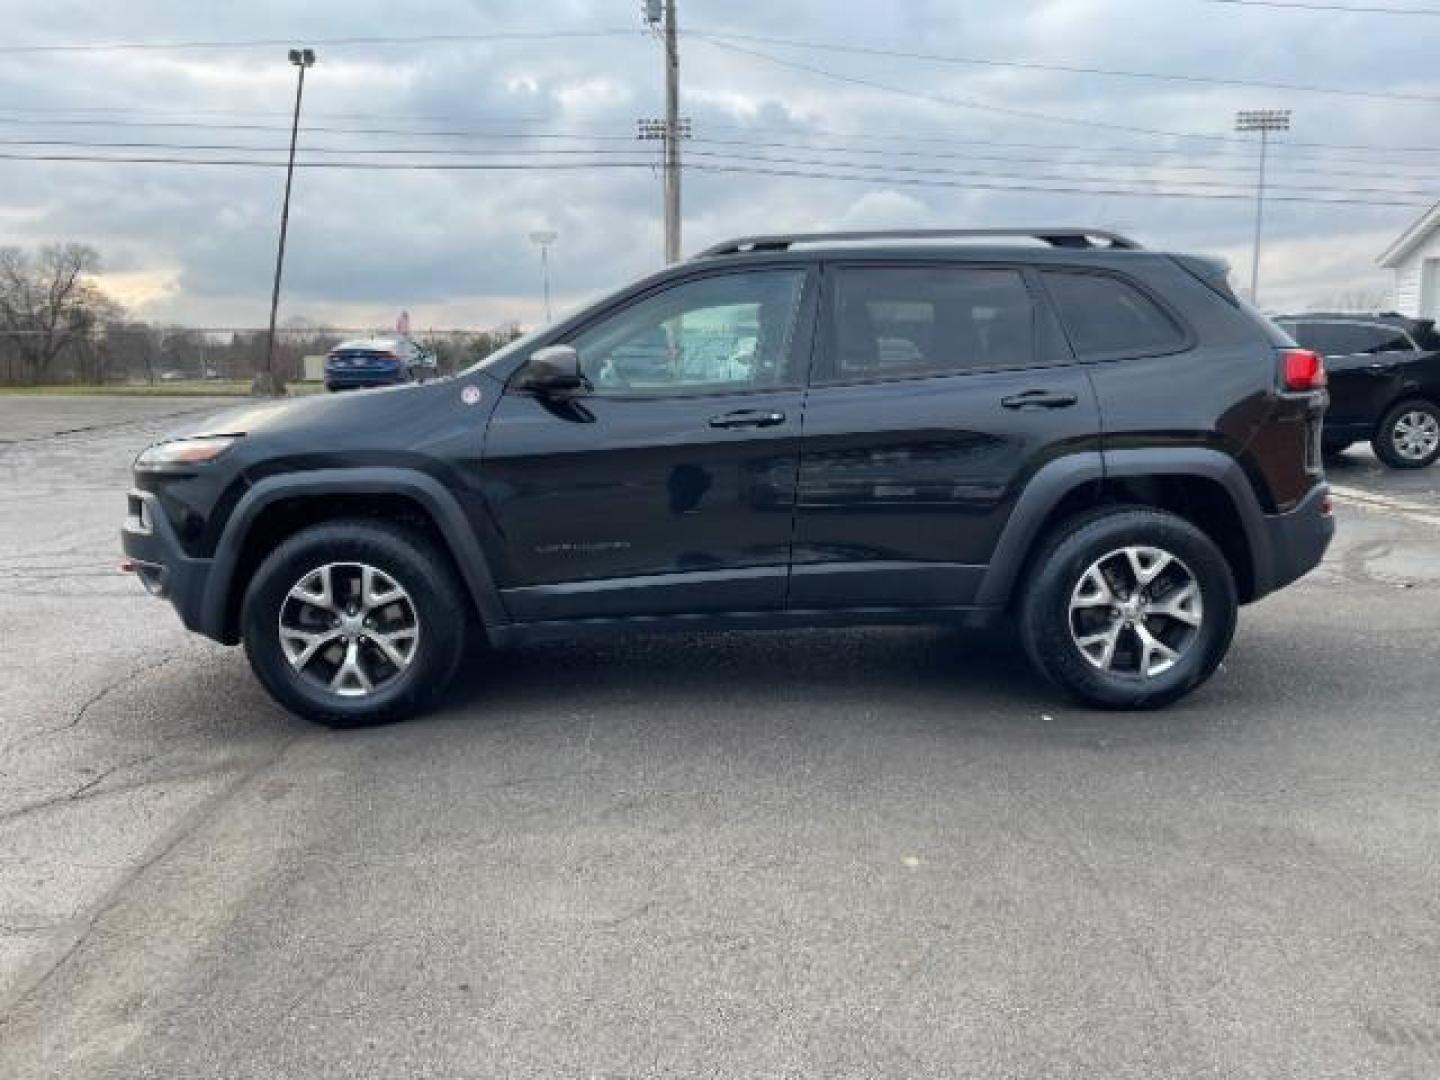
{"x": 302, "y": 59}
{"x": 544, "y": 238}
{"x": 1264, "y": 121}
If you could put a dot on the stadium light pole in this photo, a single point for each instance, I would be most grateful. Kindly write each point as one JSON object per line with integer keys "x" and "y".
{"x": 1264, "y": 121}
{"x": 302, "y": 59}
{"x": 544, "y": 238}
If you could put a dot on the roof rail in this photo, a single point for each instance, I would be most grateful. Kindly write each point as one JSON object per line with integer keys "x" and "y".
{"x": 1061, "y": 238}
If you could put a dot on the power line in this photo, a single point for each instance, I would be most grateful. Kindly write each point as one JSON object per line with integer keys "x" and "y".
{"x": 462, "y": 133}
{"x": 1296, "y": 5}
{"x": 1168, "y": 157}
{"x": 1028, "y": 114}
{"x": 904, "y": 170}
{"x": 890, "y": 178}
{"x": 1296, "y": 147}
{"x": 590, "y": 152}
{"x": 1119, "y": 192}
{"x": 964, "y": 103}
{"x": 340, "y": 42}
{"x": 1069, "y": 69}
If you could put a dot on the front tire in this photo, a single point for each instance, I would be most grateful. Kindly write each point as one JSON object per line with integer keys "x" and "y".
{"x": 1408, "y": 437}
{"x": 352, "y": 623}
{"x": 1128, "y": 608}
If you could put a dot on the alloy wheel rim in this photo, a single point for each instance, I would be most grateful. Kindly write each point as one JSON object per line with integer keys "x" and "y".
{"x": 1416, "y": 435}
{"x": 349, "y": 628}
{"x": 1136, "y": 611}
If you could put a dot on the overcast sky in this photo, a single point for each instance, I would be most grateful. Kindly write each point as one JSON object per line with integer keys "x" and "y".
{"x": 916, "y": 142}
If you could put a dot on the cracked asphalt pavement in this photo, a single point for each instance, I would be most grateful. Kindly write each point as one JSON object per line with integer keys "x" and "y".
{"x": 858, "y": 853}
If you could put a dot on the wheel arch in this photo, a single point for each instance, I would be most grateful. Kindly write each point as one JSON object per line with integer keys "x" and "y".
{"x": 279, "y": 506}
{"x": 1206, "y": 487}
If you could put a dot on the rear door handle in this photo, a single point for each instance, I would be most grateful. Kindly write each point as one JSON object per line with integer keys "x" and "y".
{"x": 1039, "y": 399}
{"x": 748, "y": 418}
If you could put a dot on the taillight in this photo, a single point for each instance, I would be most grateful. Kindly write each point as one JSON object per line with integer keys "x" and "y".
{"x": 1303, "y": 369}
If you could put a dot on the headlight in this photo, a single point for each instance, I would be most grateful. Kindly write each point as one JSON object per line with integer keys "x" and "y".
{"x": 184, "y": 451}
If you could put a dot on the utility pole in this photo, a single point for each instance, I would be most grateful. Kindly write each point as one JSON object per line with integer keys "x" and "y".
{"x": 1264, "y": 121}
{"x": 267, "y": 383}
{"x": 672, "y": 136}
{"x": 673, "y": 128}
{"x": 544, "y": 238}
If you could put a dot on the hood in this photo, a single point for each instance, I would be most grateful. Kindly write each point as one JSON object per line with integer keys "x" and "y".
{"x": 352, "y": 409}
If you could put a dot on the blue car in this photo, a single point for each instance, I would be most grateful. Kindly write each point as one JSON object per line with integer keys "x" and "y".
{"x": 376, "y": 362}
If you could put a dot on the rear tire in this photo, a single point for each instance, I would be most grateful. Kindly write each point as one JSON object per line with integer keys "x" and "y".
{"x": 352, "y": 623}
{"x": 1093, "y": 623}
{"x": 1408, "y": 436}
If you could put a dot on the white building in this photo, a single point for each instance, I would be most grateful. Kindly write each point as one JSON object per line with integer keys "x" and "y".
{"x": 1414, "y": 260}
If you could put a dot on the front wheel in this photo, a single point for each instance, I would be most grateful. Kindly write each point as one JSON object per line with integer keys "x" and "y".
{"x": 1128, "y": 608}
{"x": 1408, "y": 436}
{"x": 354, "y": 622}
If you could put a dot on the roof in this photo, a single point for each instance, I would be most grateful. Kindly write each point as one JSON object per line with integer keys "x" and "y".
{"x": 1420, "y": 230}
{"x": 369, "y": 344}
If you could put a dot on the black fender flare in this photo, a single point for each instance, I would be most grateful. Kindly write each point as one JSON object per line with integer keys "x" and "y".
{"x": 444, "y": 510}
{"x": 1057, "y": 479}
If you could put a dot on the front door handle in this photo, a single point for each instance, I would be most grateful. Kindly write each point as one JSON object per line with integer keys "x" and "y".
{"x": 748, "y": 418}
{"x": 1039, "y": 399}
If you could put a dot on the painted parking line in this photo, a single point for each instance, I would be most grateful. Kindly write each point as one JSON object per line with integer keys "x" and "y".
{"x": 1421, "y": 513}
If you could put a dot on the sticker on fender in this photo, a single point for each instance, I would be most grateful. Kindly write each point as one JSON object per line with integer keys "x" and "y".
{"x": 470, "y": 395}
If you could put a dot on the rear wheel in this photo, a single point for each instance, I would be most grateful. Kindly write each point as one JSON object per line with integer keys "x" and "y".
{"x": 1408, "y": 437}
{"x": 354, "y": 622}
{"x": 1128, "y": 608}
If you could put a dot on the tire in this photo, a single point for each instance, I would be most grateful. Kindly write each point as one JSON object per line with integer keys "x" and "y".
{"x": 298, "y": 595}
{"x": 1061, "y": 573}
{"x": 1408, "y": 436}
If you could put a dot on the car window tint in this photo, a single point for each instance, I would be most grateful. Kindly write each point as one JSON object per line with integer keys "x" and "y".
{"x": 1380, "y": 339}
{"x": 1105, "y": 316}
{"x": 897, "y": 322}
{"x": 1346, "y": 338}
{"x": 724, "y": 332}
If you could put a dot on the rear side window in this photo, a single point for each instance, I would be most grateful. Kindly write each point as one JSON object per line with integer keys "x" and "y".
{"x": 893, "y": 322}
{"x": 1107, "y": 317}
{"x": 1382, "y": 339}
{"x": 1350, "y": 339}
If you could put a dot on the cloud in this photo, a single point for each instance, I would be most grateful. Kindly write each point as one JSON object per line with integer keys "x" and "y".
{"x": 196, "y": 244}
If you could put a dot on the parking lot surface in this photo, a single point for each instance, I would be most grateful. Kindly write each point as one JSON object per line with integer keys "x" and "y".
{"x": 851, "y": 853}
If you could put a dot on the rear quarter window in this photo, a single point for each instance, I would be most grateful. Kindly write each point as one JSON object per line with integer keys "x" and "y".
{"x": 1106, "y": 316}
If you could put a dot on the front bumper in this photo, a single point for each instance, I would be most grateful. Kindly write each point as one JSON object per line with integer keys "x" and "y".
{"x": 1296, "y": 540}
{"x": 150, "y": 543}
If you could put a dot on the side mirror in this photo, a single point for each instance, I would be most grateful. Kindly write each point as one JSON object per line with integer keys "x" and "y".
{"x": 554, "y": 369}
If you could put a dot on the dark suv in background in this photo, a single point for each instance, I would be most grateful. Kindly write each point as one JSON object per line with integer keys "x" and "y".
{"x": 1384, "y": 382}
{"x": 1100, "y": 443}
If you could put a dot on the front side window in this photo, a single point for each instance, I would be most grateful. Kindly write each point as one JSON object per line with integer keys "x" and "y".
{"x": 1107, "y": 317}
{"x": 726, "y": 332}
{"x": 891, "y": 322}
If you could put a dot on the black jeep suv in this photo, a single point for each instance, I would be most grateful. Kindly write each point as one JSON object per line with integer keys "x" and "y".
{"x": 1102, "y": 442}
{"x": 1384, "y": 375}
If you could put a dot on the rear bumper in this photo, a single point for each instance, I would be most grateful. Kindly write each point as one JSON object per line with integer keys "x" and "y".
{"x": 357, "y": 380}
{"x": 150, "y": 543}
{"x": 1296, "y": 541}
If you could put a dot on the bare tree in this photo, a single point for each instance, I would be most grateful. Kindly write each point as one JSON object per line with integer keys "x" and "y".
{"x": 47, "y": 303}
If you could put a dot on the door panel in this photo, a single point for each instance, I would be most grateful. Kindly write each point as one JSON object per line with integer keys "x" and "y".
{"x": 650, "y": 495}
{"x": 906, "y": 484}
